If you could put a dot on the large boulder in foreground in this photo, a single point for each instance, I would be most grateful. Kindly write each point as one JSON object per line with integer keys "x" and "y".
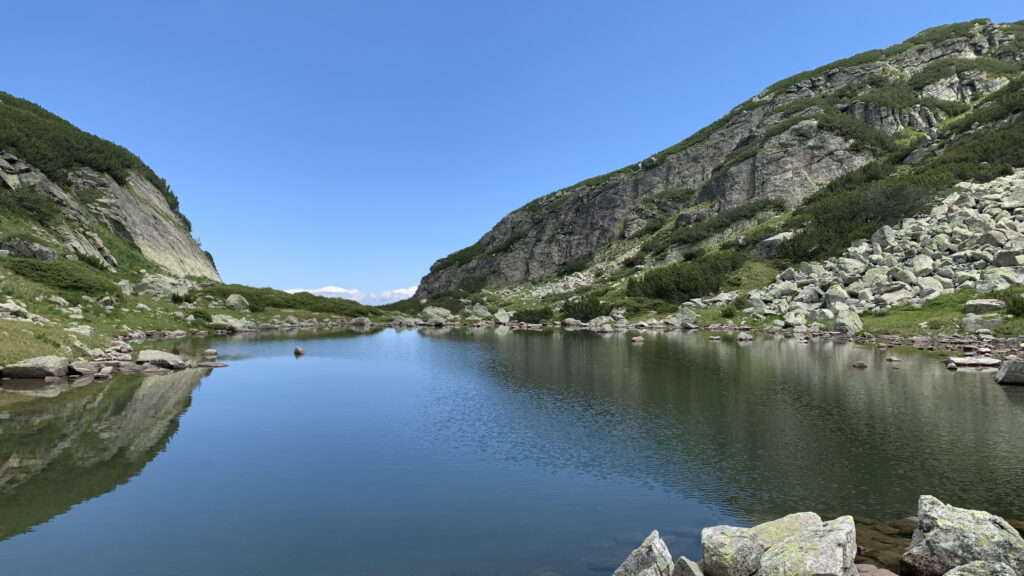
{"x": 652, "y": 558}
{"x": 164, "y": 359}
{"x": 731, "y": 551}
{"x": 41, "y": 367}
{"x": 828, "y": 548}
{"x": 237, "y": 302}
{"x": 948, "y": 537}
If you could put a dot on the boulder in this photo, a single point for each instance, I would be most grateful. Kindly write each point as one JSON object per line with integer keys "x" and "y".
{"x": 1011, "y": 372}
{"x": 948, "y": 537}
{"x": 972, "y": 323}
{"x": 83, "y": 368}
{"x": 683, "y": 317}
{"x": 652, "y": 558}
{"x": 847, "y": 322}
{"x": 983, "y": 305}
{"x": 164, "y": 359}
{"x": 771, "y": 533}
{"x": 502, "y": 316}
{"x": 237, "y": 302}
{"x": 770, "y": 246}
{"x": 795, "y": 318}
{"x": 361, "y": 321}
{"x": 40, "y": 367}
{"x": 162, "y": 286}
{"x": 730, "y": 551}
{"x": 23, "y": 249}
{"x": 686, "y": 567}
{"x": 235, "y": 324}
{"x": 981, "y": 568}
{"x": 827, "y": 548}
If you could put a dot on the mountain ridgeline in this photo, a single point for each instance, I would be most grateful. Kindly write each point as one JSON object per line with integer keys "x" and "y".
{"x": 795, "y": 173}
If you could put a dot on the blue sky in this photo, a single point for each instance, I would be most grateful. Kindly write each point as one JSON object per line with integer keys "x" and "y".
{"x": 354, "y": 143}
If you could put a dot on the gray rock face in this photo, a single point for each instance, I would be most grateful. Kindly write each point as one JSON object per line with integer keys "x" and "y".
{"x": 984, "y": 305}
{"x": 136, "y": 211}
{"x": 1011, "y": 372}
{"x": 730, "y": 551}
{"x": 847, "y": 322}
{"x": 948, "y": 537}
{"x": 980, "y": 568}
{"x": 237, "y": 302}
{"x": 162, "y": 286}
{"x": 164, "y": 359}
{"x": 22, "y": 249}
{"x": 827, "y": 548}
{"x": 652, "y": 558}
{"x": 41, "y": 367}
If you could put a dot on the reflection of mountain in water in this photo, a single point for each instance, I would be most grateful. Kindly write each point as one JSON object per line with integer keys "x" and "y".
{"x": 759, "y": 429}
{"x": 58, "y": 452}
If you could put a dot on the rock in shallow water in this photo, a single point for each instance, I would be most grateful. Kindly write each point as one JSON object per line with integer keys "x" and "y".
{"x": 949, "y": 537}
{"x": 164, "y": 359}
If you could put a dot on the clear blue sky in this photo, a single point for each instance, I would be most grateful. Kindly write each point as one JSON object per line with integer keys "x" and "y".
{"x": 353, "y": 143}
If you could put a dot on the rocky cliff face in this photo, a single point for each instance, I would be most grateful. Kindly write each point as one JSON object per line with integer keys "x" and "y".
{"x": 135, "y": 211}
{"x": 784, "y": 144}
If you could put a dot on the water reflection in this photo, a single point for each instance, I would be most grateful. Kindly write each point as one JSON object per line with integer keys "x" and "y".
{"x": 61, "y": 446}
{"x": 765, "y": 428}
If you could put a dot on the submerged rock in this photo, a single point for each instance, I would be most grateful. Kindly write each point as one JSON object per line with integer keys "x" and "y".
{"x": 948, "y": 537}
{"x": 652, "y": 558}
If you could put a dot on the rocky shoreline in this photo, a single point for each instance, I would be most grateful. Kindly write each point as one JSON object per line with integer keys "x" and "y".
{"x": 946, "y": 541}
{"x": 979, "y": 351}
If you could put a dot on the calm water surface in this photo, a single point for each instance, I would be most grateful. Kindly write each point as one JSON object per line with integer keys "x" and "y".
{"x": 481, "y": 452}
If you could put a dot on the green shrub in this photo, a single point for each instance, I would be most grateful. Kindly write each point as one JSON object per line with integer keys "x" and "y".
{"x": 634, "y": 260}
{"x": 189, "y": 296}
{"x": 704, "y": 229}
{"x": 27, "y": 202}
{"x": 63, "y": 275}
{"x": 1014, "y": 298}
{"x": 729, "y": 311}
{"x": 202, "y": 315}
{"x": 577, "y": 264}
{"x": 947, "y": 67}
{"x": 586, "y": 308}
{"x": 681, "y": 281}
{"x": 263, "y": 298}
{"x": 472, "y": 284}
{"x": 534, "y": 315}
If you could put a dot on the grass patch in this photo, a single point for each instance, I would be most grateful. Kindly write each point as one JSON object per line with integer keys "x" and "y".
{"x": 63, "y": 275}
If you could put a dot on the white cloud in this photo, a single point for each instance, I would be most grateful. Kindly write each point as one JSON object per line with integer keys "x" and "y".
{"x": 370, "y": 298}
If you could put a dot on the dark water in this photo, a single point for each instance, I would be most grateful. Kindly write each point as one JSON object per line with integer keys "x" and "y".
{"x": 477, "y": 452}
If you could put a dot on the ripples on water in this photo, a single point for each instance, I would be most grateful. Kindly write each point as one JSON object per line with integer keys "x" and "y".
{"x": 477, "y": 452}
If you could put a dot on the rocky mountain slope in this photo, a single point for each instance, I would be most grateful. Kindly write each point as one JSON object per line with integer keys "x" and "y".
{"x": 68, "y": 194}
{"x": 797, "y": 172}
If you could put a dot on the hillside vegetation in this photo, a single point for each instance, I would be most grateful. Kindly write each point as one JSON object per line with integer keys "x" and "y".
{"x": 797, "y": 173}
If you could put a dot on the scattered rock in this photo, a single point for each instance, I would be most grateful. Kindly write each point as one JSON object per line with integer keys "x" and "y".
{"x": 299, "y": 351}
{"x": 24, "y": 249}
{"x": 983, "y": 305}
{"x": 974, "y": 361}
{"x": 847, "y": 322}
{"x": 210, "y": 353}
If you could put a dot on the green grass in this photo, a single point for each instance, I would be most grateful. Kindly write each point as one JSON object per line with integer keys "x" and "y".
{"x": 63, "y": 275}
{"x": 943, "y": 315}
{"x": 266, "y": 298}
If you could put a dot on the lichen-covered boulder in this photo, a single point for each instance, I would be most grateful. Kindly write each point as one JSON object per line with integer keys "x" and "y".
{"x": 980, "y": 568}
{"x": 1011, "y": 372}
{"x": 652, "y": 558}
{"x": 730, "y": 551}
{"x": 40, "y": 367}
{"x": 948, "y": 537}
{"x": 827, "y": 548}
{"x": 847, "y": 322}
{"x": 771, "y": 533}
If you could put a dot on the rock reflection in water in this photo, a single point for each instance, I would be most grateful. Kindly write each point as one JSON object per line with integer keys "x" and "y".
{"x": 769, "y": 427}
{"x": 61, "y": 445}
